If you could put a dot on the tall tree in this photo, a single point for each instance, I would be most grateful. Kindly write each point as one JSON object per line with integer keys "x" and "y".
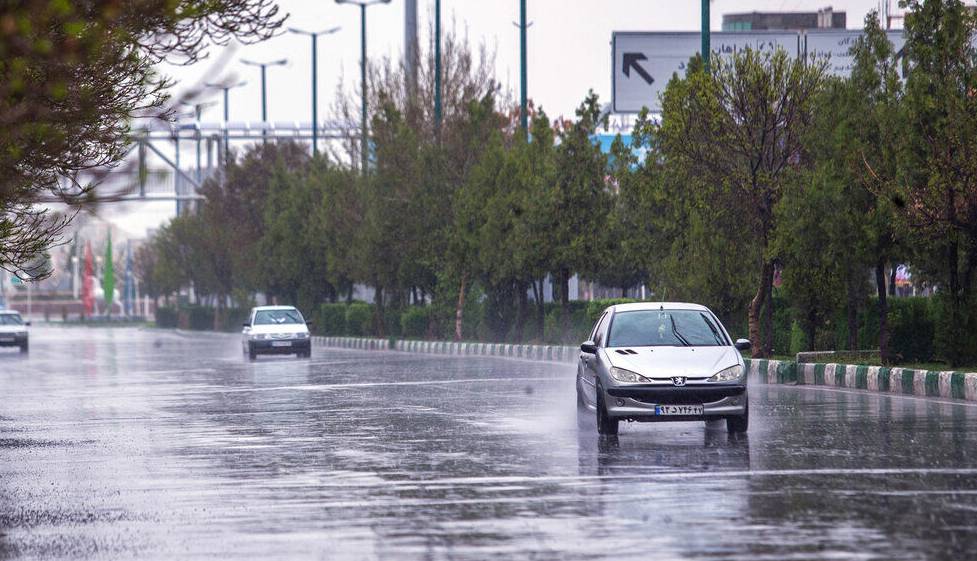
{"x": 740, "y": 127}
{"x": 939, "y": 160}
{"x": 75, "y": 75}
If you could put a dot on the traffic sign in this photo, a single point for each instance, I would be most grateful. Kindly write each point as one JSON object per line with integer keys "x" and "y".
{"x": 644, "y": 62}
{"x": 836, "y": 44}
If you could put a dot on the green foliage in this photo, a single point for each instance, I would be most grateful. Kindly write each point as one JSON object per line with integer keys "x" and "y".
{"x": 167, "y": 316}
{"x": 415, "y": 321}
{"x": 359, "y": 319}
{"x": 331, "y": 319}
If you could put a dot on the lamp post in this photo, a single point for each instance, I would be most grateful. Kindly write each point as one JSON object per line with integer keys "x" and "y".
{"x": 706, "y": 49}
{"x": 315, "y": 81}
{"x": 364, "y": 142}
{"x": 264, "y": 89}
{"x": 226, "y": 87}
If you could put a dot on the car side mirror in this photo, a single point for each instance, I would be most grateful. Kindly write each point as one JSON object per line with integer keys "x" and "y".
{"x": 246, "y": 325}
{"x": 742, "y": 345}
{"x": 27, "y": 323}
{"x": 309, "y": 323}
{"x": 589, "y": 347}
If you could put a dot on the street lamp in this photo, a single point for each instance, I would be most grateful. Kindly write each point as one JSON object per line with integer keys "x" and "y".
{"x": 363, "y": 4}
{"x": 264, "y": 89}
{"x": 226, "y": 87}
{"x": 315, "y": 81}
{"x": 197, "y": 111}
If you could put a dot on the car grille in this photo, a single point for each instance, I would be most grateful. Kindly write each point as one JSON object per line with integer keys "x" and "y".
{"x": 677, "y": 396}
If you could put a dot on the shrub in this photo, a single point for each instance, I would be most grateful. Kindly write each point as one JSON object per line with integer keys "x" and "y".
{"x": 331, "y": 319}
{"x": 596, "y": 307}
{"x": 359, "y": 319}
{"x": 201, "y": 318}
{"x": 414, "y": 321}
{"x": 167, "y": 316}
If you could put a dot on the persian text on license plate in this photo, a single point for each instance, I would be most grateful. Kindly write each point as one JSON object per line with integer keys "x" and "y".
{"x": 281, "y": 344}
{"x": 678, "y": 410}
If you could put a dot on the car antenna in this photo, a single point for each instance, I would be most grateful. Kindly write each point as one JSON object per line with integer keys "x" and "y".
{"x": 662, "y": 306}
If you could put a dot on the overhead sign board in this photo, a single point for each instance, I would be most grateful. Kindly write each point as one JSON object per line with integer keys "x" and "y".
{"x": 836, "y": 45}
{"x": 643, "y": 63}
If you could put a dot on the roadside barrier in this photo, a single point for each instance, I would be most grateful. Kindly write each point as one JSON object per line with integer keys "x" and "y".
{"x": 904, "y": 381}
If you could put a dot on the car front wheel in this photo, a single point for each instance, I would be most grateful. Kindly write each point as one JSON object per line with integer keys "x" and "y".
{"x": 252, "y": 355}
{"x": 606, "y": 425}
{"x": 739, "y": 423}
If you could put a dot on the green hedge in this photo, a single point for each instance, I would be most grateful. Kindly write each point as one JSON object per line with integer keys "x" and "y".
{"x": 167, "y": 316}
{"x": 331, "y": 319}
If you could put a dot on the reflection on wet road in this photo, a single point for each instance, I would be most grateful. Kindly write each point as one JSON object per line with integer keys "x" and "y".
{"x": 143, "y": 444}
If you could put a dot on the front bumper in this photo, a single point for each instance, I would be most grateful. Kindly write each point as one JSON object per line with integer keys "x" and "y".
{"x": 12, "y": 339}
{"x": 267, "y": 347}
{"x": 638, "y": 401}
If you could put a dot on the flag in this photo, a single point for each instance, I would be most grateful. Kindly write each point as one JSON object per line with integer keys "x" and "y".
{"x": 108, "y": 276}
{"x": 87, "y": 295}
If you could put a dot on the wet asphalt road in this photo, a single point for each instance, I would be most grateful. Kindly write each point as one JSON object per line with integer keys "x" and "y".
{"x": 144, "y": 444}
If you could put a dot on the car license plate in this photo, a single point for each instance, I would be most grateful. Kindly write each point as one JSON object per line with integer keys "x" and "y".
{"x": 281, "y": 343}
{"x": 678, "y": 410}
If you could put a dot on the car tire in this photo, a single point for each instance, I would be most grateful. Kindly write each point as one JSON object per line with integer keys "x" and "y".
{"x": 739, "y": 423}
{"x": 584, "y": 419}
{"x": 252, "y": 355}
{"x": 606, "y": 425}
{"x": 24, "y": 347}
{"x": 305, "y": 354}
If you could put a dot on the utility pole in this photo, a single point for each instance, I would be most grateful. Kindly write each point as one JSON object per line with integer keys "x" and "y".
{"x": 226, "y": 87}
{"x": 364, "y": 138}
{"x": 315, "y": 81}
{"x": 523, "y": 111}
{"x": 706, "y": 49}
{"x": 437, "y": 67}
{"x": 264, "y": 90}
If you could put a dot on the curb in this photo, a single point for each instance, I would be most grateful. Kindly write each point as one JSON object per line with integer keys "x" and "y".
{"x": 543, "y": 353}
{"x": 881, "y": 379}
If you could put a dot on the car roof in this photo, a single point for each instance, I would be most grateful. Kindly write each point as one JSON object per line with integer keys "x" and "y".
{"x": 637, "y": 306}
{"x": 263, "y": 308}
{"x": 10, "y": 312}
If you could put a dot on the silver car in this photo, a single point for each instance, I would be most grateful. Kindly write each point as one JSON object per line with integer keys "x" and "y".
{"x": 13, "y": 330}
{"x": 662, "y": 362}
{"x": 278, "y": 330}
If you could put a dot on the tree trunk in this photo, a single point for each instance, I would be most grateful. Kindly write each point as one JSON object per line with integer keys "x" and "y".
{"x": 378, "y": 322}
{"x": 768, "y": 318}
{"x": 624, "y": 292}
{"x": 883, "y": 312}
{"x": 565, "y": 302}
{"x": 892, "y": 279}
{"x": 811, "y": 330}
{"x": 460, "y": 308}
{"x": 756, "y": 305}
{"x": 540, "y": 309}
{"x": 522, "y": 310}
{"x": 852, "y": 313}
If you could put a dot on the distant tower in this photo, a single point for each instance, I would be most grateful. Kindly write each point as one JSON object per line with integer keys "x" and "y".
{"x": 410, "y": 41}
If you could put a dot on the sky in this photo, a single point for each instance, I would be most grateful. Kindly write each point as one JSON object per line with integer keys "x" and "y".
{"x": 568, "y": 46}
{"x": 569, "y": 53}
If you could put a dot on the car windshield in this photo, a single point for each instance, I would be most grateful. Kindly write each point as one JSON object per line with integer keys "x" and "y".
{"x": 663, "y": 328}
{"x": 277, "y": 317}
{"x": 11, "y": 319}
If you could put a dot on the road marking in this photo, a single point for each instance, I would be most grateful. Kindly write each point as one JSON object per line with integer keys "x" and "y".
{"x": 882, "y": 394}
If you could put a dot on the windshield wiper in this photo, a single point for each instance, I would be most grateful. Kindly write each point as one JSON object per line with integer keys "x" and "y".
{"x": 677, "y": 334}
{"x": 715, "y": 332}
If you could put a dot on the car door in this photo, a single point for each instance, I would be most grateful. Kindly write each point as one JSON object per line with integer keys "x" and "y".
{"x": 588, "y": 362}
{"x": 246, "y": 331}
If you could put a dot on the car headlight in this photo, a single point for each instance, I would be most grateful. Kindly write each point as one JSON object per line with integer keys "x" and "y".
{"x": 258, "y": 336}
{"x": 728, "y": 374}
{"x": 301, "y": 335}
{"x": 622, "y": 375}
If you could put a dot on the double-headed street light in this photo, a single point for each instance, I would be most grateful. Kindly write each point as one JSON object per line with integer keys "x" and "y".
{"x": 264, "y": 88}
{"x": 364, "y": 142}
{"x": 226, "y": 87}
{"x": 315, "y": 81}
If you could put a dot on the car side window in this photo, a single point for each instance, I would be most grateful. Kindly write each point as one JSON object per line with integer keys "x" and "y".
{"x": 601, "y": 334}
{"x": 593, "y": 332}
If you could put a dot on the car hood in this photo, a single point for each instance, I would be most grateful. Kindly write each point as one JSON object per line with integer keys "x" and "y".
{"x": 665, "y": 362}
{"x": 288, "y": 328}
